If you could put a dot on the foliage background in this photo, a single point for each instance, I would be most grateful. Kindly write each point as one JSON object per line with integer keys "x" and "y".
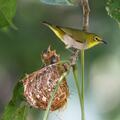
{"x": 20, "y": 53}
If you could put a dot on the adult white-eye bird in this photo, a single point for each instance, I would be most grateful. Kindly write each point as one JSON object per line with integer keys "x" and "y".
{"x": 74, "y": 38}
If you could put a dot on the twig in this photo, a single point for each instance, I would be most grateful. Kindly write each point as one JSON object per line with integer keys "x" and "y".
{"x": 74, "y": 56}
{"x": 86, "y": 11}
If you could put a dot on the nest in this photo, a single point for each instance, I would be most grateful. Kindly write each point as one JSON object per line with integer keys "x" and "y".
{"x": 39, "y": 85}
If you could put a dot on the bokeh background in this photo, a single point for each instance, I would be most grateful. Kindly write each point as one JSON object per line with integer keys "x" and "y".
{"x": 20, "y": 53}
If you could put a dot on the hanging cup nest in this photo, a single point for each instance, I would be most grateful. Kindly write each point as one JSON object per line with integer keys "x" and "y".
{"x": 39, "y": 84}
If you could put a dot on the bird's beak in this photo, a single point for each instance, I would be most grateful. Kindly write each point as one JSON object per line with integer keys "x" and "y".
{"x": 104, "y": 42}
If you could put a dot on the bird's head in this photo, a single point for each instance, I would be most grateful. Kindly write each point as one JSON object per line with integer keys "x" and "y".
{"x": 50, "y": 56}
{"x": 93, "y": 40}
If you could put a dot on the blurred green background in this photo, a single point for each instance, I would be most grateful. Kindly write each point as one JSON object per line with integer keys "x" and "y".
{"x": 20, "y": 53}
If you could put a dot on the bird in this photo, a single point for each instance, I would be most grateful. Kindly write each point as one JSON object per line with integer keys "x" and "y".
{"x": 75, "y": 38}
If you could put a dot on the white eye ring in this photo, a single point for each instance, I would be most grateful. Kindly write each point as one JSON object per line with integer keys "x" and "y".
{"x": 96, "y": 38}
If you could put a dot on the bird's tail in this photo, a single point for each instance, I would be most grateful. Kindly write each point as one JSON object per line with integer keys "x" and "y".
{"x": 46, "y": 23}
{"x": 51, "y": 26}
{"x": 56, "y": 29}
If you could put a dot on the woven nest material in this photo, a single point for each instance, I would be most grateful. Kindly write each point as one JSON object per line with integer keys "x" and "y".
{"x": 39, "y": 85}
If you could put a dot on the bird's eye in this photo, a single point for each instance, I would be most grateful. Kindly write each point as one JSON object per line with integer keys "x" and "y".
{"x": 96, "y": 39}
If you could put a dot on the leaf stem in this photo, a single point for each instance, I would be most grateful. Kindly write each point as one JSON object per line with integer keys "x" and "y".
{"x": 82, "y": 91}
{"x": 53, "y": 94}
{"x": 75, "y": 73}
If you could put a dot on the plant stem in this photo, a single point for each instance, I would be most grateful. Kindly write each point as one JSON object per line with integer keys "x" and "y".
{"x": 75, "y": 73}
{"x": 52, "y": 95}
{"x": 82, "y": 91}
{"x": 86, "y": 11}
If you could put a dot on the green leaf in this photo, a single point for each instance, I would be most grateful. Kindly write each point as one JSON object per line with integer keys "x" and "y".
{"x": 60, "y": 2}
{"x": 7, "y": 12}
{"x": 16, "y": 108}
{"x": 113, "y": 9}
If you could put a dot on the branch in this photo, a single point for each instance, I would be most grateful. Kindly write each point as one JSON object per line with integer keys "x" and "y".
{"x": 74, "y": 56}
{"x": 86, "y": 11}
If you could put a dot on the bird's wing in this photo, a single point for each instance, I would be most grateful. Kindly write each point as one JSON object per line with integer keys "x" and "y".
{"x": 76, "y": 34}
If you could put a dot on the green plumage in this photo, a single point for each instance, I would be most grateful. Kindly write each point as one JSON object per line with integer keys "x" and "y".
{"x": 76, "y": 34}
{"x": 74, "y": 37}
